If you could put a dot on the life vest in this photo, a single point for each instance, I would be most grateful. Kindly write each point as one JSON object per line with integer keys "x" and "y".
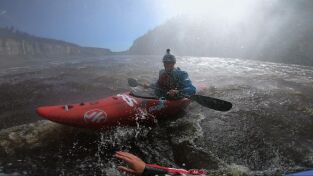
{"x": 168, "y": 81}
{"x": 176, "y": 79}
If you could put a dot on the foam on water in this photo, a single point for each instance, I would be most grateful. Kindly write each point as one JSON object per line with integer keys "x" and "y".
{"x": 268, "y": 130}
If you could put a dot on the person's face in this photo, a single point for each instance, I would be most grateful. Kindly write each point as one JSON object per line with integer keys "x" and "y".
{"x": 168, "y": 66}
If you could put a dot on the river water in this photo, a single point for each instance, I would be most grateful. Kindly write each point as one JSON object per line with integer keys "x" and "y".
{"x": 268, "y": 131}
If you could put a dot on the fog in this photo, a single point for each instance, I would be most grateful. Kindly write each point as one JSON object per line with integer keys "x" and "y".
{"x": 267, "y": 132}
{"x": 278, "y": 31}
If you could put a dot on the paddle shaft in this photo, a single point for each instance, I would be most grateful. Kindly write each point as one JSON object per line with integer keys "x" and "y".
{"x": 209, "y": 102}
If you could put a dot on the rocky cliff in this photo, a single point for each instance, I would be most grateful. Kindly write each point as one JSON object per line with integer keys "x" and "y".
{"x": 14, "y": 43}
{"x": 279, "y": 33}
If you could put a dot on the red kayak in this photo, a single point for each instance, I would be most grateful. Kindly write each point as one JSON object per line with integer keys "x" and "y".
{"x": 121, "y": 109}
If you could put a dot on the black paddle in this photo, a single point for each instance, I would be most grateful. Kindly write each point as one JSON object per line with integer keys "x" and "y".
{"x": 209, "y": 102}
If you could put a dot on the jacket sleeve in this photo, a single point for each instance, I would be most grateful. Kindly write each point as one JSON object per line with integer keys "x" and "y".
{"x": 187, "y": 88}
{"x": 153, "y": 170}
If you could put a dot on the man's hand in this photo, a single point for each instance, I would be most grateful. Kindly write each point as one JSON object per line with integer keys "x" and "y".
{"x": 136, "y": 165}
{"x": 172, "y": 92}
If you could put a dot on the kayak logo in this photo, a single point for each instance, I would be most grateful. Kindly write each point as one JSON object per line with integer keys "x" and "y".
{"x": 130, "y": 101}
{"x": 95, "y": 116}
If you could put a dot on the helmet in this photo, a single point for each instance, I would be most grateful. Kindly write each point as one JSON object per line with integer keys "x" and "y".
{"x": 168, "y": 57}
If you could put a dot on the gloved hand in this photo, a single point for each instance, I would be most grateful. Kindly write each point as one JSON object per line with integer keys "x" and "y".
{"x": 173, "y": 92}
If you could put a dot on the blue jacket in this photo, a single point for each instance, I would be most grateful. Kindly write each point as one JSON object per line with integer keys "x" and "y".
{"x": 177, "y": 79}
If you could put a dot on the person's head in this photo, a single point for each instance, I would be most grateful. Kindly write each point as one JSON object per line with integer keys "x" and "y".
{"x": 169, "y": 61}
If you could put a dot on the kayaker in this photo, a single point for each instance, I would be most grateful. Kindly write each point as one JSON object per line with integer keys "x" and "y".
{"x": 138, "y": 167}
{"x": 173, "y": 83}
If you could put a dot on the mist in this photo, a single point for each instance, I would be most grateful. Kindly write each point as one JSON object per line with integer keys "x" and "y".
{"x": 278, "y": 31}
{"x": 221, "y": 44}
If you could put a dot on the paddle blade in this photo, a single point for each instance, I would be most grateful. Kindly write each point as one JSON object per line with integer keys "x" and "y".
{"x": 212, "y": 103}
{"x": 132, "y": 82}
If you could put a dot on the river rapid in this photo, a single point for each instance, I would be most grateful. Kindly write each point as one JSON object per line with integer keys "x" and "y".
{"x": 268, "y": 131}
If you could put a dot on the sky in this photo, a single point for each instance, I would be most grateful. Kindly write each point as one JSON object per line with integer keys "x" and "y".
{"x": 112, "y": 24}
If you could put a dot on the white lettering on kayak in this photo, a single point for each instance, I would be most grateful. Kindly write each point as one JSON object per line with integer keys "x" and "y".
{"x": 129, "y": 100}
{"x": 95, "y": 116}
{"x": 158, "y": 107}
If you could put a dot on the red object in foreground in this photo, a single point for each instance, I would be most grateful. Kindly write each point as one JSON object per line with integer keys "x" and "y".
{"x": 174, "y": 171}
{"x": 121, "y": 109}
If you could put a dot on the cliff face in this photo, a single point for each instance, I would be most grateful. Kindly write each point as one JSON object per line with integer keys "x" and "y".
{"x": 14, "y": 43}
{"x": 281, "y": 33}
{"x": 16, "y": 47}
